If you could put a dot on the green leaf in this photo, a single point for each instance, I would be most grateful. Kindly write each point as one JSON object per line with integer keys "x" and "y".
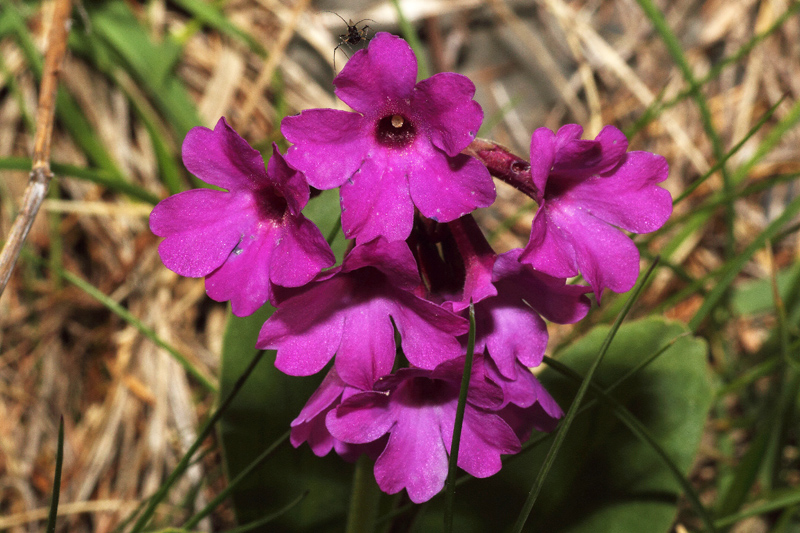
{"x": 605, "y": 479}
{"x": 259, "y": 415}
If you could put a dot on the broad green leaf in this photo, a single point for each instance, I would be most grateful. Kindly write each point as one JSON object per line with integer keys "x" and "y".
{"x": 606, "y": 480}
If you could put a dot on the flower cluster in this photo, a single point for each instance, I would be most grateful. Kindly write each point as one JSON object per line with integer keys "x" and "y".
{"x": 409, "y": 172}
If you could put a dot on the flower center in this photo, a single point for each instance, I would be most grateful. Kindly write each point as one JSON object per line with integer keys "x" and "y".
{"x": 395, "y": 131}
{"x": 271, "y": 205}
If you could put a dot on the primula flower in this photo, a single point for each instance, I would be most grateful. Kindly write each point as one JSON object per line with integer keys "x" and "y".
{"x": 584, "y": 189}
{"x": 400, "y": 149}
{"x": 509, "y": 325}
{"x": 248, "y": 238}
{"x": 417, "y": 408}
{"x": 349, "y": 311}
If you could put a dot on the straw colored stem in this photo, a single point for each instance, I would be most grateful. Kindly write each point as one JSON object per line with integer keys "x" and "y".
{"x": 40, "y": 173}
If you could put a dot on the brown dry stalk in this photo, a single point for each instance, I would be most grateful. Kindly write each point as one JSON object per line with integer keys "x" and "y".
{"x": 41, "y": 175}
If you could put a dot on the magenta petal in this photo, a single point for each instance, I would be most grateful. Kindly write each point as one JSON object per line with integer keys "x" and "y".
{"x": 291, "y": 183}
{"x": 244, "y": 277}
{"x": 375, "y": 202}
{"x": 628, "y": 197}
{"x": 549, "y": 249}
{"x": 328, "y": 145}
{"x": 579, "y": 159}
{"x": 222, "y": 158}
{"x": 394, "y": 259}
{"x": 445, "y": 101}
{"x": 368, "y": 348}
{"x": 301, "y": 252}
{"x": 484, "y": 437}
{"x": 543, "y": 154}
{"x": 362, "y": 418}
{"x": 385, "y": 71}
{"x": 511, "y": 332}
{"x": 415, "y": 457}
{"x": 200, "y": 233}
{"x": 428, "y": 331}
{"x": 445, "y": 188}
{"x": 306, "y": 329}
{"x": 548, "y": 295}
{"x": 607, "y": 258}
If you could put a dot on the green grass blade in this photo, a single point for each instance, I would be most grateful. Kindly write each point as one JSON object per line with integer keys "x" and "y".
{"x": 770, "y": 141}
{"x": 782, "y": 500}
{"x": 184, "y": 463}
{"x": 763, "y": 120}
{"x": 68, "y": 112}
{"x": 462, "y": 405}
{"x": 735, "y": 265}
{"x": 655, "y": 108}
{"x": 573, "y": 409}
{"x": 212, "y": 16}
{"x": 224, "y": 493}
{"x": 128, "y": 317}
{"x": 676, "y": 51}
{"x": 100, "y": 177}
{"x": 270, "y": 517}
{"x": 51, "y": 518}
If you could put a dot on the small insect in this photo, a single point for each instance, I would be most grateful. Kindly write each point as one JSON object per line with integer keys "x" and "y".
{"x": 353, "y": 36}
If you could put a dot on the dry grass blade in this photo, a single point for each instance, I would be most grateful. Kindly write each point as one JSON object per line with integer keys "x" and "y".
{"x": 40, "y": 174}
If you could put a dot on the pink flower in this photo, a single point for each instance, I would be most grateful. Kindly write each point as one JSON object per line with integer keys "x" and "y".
{"x": 400, "y": 149}
{"x": 246, "y": 239}
{"x": 350, "y": 311}
{"x": 585, "y": 188}
{"x": 417, "y": 409}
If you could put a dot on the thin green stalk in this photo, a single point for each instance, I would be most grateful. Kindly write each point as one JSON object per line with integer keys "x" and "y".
{"x": 364, "y": 498}
{"x": 573, "y": 409}
{"x": 224, "y": 493}
{"x": 51, "y": 518}
{"x": 206, "y": 430}
{"x": 462, "y": 405}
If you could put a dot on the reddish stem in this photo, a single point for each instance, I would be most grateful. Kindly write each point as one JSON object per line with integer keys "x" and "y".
{"x": 504, "y": 165}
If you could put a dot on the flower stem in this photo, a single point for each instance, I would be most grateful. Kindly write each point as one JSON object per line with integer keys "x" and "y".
{"x": 363, "y": 499}
{"x": 504, "y": 165}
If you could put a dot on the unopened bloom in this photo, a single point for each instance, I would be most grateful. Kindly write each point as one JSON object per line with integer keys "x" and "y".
{"x": 350, "y": 311}
{"x": 417, "y": 408}
{"x": 400, "y": 149}
{"x": 248, "y": 238}
{"x": 585, "y": 188}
